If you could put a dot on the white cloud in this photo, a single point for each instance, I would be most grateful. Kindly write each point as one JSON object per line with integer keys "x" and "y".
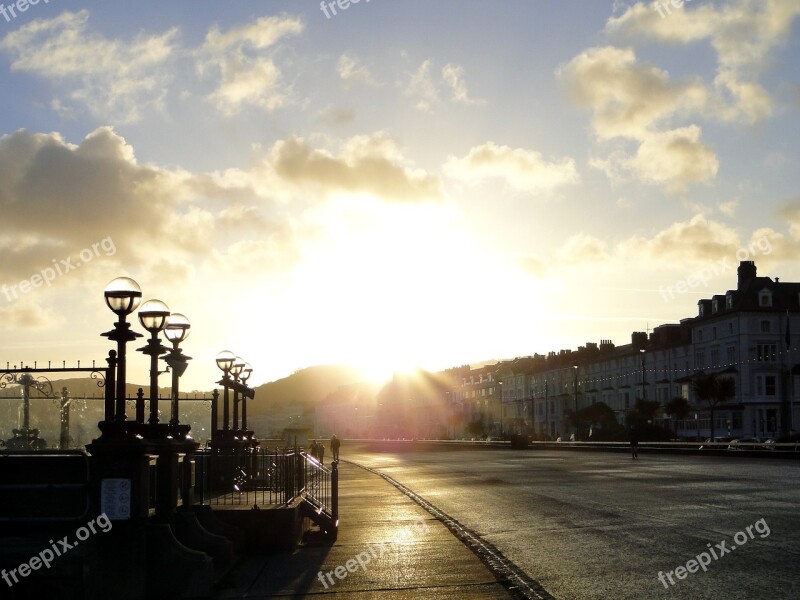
{"x": 674, "y": 159}
{"x": 454, "y": 77}
{"x": 744, "y": 35}
{"x": 522, "y": 169}
{"x": 352, "y": 72}
{"x": 583, "y": 248}
{"x": 422, "y": 87}
{"x": 115, "y": 79}
{"x": 248, "y": 72}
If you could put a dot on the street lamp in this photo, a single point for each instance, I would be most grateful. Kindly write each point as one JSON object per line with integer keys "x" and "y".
{"x": 225, "y": 360}
{"x": 153, "y": 317}
{"x": 122, "y": 296}
{"x": 236, "y": 370}
{"x": 243, "y": 377}
{"x": 575, "y": 388}
{"x": 176, "y": 331}
{"x": 641, "y": 351}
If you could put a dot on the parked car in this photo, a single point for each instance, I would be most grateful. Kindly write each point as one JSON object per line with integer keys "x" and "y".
{"x": 747, "y": 443}
{"x": 717, "y": 440}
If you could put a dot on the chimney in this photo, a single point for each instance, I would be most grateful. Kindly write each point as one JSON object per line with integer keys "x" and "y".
{"x": 747, "y": 272}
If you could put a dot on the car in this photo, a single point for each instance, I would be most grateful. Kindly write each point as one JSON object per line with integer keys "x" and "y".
{"x": 717, "y": 441}
{"x": 746, "y": 443}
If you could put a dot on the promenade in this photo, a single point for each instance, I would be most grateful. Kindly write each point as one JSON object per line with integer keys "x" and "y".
{"x": 391, "y": 546}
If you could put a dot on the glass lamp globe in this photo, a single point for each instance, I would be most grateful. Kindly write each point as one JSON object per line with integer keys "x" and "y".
{"x": 225, "y": 360}
{"x": 246, "y": 372}
{"x": 238, "y": 366}
{"x": 123, "y": 295}
{"x": 177, "y": 328}
{"x": 153, "y": 315}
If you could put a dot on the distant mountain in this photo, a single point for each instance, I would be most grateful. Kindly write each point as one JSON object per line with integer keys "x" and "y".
{"x": 302, "y": 388}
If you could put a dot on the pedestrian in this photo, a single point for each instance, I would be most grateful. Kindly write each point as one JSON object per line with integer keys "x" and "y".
{"x": 314, "y": 448}
{"x": 335, "y": 443}
{"x": 634, "y": 437}
{"x": 321, "y": 448}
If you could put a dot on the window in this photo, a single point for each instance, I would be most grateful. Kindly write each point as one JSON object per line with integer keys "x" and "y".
{"x": 715, "y": 357}
{"x": 713, "y": 333}
{"x": 700, "y": 359}
{"x": 766, "y": 352}
{"x": 729, "y": 301}
{"x": 765, "y": 298}
{"x": 765, "y": 326}
{"x": 699, "y": 335}
{"x": 730, "y": 328}
{"x": 765, "y": 385}
{"x": 730, "y": 353}
{"x": 715, "y": 306}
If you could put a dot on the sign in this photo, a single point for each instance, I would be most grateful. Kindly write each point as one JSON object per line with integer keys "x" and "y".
{"x": 115, "y": 498}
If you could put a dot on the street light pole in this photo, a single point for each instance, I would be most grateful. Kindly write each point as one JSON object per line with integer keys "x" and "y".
{"x": 575, "y": 387}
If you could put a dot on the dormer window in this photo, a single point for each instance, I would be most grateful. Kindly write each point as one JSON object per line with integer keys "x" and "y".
{"x": 701, "y": 310}
{"x": 715, "y": 306}
{"x": 729, "y": 301}
{"x": 765, "y": 299}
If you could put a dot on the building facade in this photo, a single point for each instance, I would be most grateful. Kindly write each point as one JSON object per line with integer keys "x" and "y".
{"x": 748, "y": 334}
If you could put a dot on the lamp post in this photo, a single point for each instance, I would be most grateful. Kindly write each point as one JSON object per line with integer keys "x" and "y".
{"x": 122, "y": 296}
{"x": 641, "y": 351}
{"x": 575, "y": 389}
{"x": 243, "y": 377}
{"x": 225, "y": 360}
{"x": 153, "y": 317}
{"x": 236, "y": 370}
{"x": 176, "y": 331}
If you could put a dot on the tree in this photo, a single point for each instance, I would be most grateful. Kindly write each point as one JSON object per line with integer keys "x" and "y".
{"x": 599, "y": 416}
{"x": 713, "y": 389}
{"x": 679, "y": 408}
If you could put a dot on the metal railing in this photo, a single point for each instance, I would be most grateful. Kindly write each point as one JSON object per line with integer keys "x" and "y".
{"x": 259, "y": 477}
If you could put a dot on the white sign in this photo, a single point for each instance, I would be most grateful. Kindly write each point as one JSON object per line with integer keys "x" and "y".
{"x": 115, "y": 498}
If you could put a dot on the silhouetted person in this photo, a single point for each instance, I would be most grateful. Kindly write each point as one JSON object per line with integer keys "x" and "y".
{"x": 314, "y": 450}
{"x": 335, "y": 443}
{"x": 634, "y": 437}
{"x": 321, "y": 448}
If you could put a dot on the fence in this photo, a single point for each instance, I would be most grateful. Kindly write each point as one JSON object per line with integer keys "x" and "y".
{"x": 261, "y": 477}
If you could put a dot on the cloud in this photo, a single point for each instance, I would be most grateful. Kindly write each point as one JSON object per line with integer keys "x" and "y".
{"x": 674, "y": 159}
{"x": 422, "y": 87}
{"x": 583, "y": 248}
{"x": 243, "y": 58}
{"x": 744, "y": 35}
{"x": 372, "y": 164}
{"x": 524, "y": 170}
{"x": 26, "y": 315}
{"x": 637, "y": 102}
{"x": 336, "y": 115}
{"x": 352, "y": 72}
{"x": 627, "y": 99}
{"x": 691, "y": 241}
{"x": 115, "y": 79}
{"x": 59, "y": 198}
{"x": 425, "y": 88}
{"x": 454, "y": 77}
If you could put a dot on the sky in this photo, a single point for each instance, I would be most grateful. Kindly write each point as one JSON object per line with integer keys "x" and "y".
{"x": 389, "y": 184}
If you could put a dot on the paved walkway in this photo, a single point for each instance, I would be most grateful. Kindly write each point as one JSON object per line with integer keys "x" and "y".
{"x": 405, "y": 553}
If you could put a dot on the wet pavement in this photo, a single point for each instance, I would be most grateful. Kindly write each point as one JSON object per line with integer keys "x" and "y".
{"x": 388, "y": 547}
{"x": 592, "y": 525}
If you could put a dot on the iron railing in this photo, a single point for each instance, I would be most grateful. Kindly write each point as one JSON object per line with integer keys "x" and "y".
{"x": 261, "y": 477}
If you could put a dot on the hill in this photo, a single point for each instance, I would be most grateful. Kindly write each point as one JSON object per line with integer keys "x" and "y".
{"x": 305, "y": 387}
